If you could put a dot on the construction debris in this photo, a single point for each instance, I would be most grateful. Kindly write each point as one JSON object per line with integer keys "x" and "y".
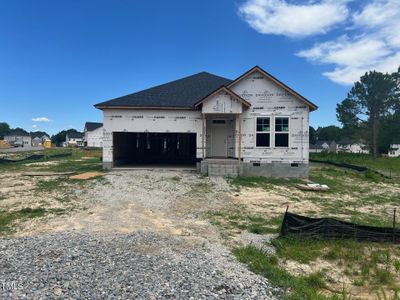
{"x": 86, "y": 175}
{"x": 4, "y": 144}
{"x": 312, "y": 187}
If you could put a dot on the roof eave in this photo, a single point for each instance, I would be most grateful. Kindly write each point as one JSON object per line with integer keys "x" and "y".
{"x": 102, "y": 107}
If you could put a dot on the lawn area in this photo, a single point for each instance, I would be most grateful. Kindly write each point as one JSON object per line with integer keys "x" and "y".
{"x": 317, "y": 269}
{"x": 383, "y": 164}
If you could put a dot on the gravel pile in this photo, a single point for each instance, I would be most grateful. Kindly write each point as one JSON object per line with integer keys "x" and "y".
{"x": 138, "y": 265}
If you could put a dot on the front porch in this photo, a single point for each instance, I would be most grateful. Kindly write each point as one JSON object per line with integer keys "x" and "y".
{"x": 220, "y": 167}
{"x": 221, "y": 133}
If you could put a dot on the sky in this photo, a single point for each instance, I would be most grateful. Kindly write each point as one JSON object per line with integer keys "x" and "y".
{"x": 59, "y": 58}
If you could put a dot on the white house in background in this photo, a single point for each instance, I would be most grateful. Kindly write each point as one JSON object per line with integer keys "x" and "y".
{"x": 348, "y": 146}
{"x": 38, "y": 138}
{"x": 73, "y": 139}
{"x": 394, "y": 150}
{"x": 93, "y": 134}
{"x": 18, "y": 138}
{"x": 323, "y": 146}
{"x": 253, "y": 125}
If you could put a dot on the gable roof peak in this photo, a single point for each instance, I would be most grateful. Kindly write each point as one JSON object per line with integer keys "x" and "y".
{"x": 311, "y": 105}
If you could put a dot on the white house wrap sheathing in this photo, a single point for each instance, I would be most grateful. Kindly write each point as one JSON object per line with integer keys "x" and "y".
{"x": 94, "y": 138}
{"x": 140, "y": 120}
{"x": 270, "y": 100}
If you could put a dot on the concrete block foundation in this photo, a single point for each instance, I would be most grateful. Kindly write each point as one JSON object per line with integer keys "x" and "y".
{"x": 231, "y": 168}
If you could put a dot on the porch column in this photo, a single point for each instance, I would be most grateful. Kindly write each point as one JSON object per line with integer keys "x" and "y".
{"x": 203, "y": 130}
{"x": 239, "y": 140}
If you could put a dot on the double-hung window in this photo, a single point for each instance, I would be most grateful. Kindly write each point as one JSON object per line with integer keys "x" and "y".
{"x": 281, "y": 132}
{"x": 263, "y": 132}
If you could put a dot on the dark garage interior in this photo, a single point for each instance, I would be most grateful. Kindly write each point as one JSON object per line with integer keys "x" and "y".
{"x": 146, "y": 148}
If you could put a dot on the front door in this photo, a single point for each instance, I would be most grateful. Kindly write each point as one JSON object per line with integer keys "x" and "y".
{"x": 219, "y": 138}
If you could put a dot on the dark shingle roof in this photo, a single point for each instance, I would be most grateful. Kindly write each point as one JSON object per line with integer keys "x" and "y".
{"x": 90, "y": 126}
{"x": 38, "y": 134}
{"x": 183, "y": 93}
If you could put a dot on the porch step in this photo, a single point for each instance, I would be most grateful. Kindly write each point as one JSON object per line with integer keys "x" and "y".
{"x": 221, "y": 167}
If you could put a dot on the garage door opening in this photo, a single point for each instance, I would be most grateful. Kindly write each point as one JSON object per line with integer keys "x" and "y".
{"x": 165, "y": 149}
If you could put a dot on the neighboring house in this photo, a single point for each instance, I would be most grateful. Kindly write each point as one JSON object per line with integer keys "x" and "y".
{"x": 18, "y": 138}
{"x": 253, "y": 125}
{"x": 394, "y": 150}
{"x": 38, "y": 138}
{"x": 323, "y": 146}
{"x": 93, "y": 134}
{"x": 349, "y": 146}
{"x": 73, "y": 139}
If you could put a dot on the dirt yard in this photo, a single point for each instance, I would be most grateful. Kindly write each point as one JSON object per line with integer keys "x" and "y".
{"x": 159, "y": 201}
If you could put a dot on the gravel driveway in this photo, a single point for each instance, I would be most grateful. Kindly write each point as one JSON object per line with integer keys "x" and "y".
{"x": 141, "y": 237}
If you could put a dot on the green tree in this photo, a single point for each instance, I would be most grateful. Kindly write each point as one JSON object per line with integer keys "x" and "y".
{"x": 329, "y": 133}
{"x": 4, "y": 129}
{"x": 312, "y": 135}
{"x": 369, "y": 102}
{"x": 59, "y": 137}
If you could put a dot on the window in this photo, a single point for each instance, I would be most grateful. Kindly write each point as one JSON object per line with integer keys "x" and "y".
{"x": 263, "y": 130}
{"x": 281, "y": 132}
{"x": 219, "y": 121}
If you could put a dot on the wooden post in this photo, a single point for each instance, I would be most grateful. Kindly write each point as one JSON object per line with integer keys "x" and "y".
{"x": 239, "y": 141}
{"x": 203, "y": 137}
{"x": 394, "y": 224}
{"x": 281, "y": 231}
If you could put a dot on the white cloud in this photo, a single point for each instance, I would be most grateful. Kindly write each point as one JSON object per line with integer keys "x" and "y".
{"x": 373, "y": 45}
{"x": 369, "y": 40}
{"x": 293, "y": 20}
{"x": 41, "y": 119}
{"x": 352, "y": 57}
{"x": 35, "y": 126}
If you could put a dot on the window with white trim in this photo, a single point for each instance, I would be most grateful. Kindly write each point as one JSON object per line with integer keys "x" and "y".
{"x": 263, "y": 132}
{"x": 281, "y": 132}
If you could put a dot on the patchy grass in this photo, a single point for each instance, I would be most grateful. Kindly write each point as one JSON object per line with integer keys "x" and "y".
{"x": 261, "y": 182}
{"x": 370, "y": 265}
{"x": 79, "y": 161}
{"x": 8, "y": 218}
{"x": 237, "y": 221}
{"x": 173, "y": 178}
{"x": 304, "y": 287}
{"x": 201, "y": 188}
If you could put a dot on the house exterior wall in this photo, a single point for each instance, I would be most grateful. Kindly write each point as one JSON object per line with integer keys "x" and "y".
{"x": 270, "y": 100}
{"x": 17, "y": 140}
{"x": 354, "y": 148}
{"x": 394, "y": 150}
{"x": 94, "y": 138}
{"x": 141, "y": 120}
